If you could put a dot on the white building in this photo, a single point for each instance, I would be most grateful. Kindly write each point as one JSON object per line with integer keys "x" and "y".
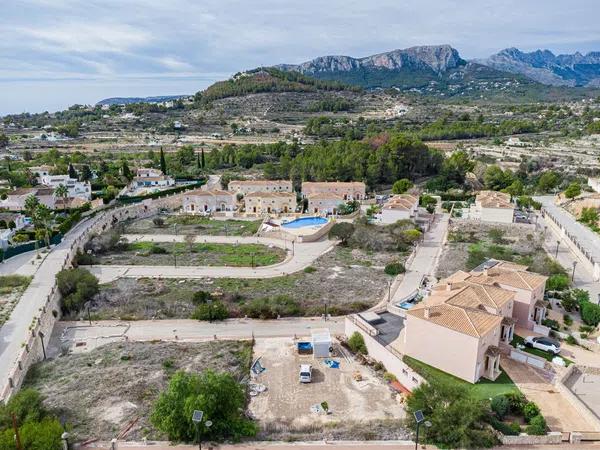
{"x": 147, "y": 178}
{"x": 76, "y": 189}
{"x": 399, "y": 207}
{"x": 245, "y": 187}
{"x": 492, "y": 206}
{"x": 594, "y": 183}
{"x": 199, "y": 201}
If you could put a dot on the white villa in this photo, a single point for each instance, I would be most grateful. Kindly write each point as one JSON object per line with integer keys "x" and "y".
{"x": 353, "y": 190}
{"x": 270, "y": 202}
{"x": 324, "y": 203}
{"x": 148, "y": 178}
{"x": 492, "y": 206}
{"x": 199, "y": 201}
{"x": 76, "y": 189}
{"x": 245, "y": 187}
{"x": 399, "y": 207}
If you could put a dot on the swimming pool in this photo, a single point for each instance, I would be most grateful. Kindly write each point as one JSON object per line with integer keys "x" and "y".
{"x": 305, "y": 222}
{"x": 406, "y": 305}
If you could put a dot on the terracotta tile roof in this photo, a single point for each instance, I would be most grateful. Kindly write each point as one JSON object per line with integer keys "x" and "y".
{"x": 475, "y": 295}
{"x": 325, "y": 196}
{"x": 260, "y": 182}
{"x": 494, "y": 199}
{"x": 211, "y": 193}
{"x": 472, "y": 322}
{"x": 271, "y": 195}
{"x": 401, "y": 201}
{"x": 518, "y": 279}
{"x": 21, "y": 191}
{"x": 309, "y": 184}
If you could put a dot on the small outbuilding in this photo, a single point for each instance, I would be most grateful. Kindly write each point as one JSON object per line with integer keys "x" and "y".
{"x": 321, "y": 342}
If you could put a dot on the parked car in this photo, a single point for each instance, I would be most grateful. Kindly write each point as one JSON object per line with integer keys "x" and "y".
{"x": 305, "y": 373}
{"x": 543, "y": 343}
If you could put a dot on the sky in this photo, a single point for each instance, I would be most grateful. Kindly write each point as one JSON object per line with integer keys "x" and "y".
{"x": 55, "y": 53}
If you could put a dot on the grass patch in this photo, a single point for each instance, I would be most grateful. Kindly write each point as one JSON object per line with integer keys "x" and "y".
{"x": 204, "y": 225}
{"x": 534, "y": 351}
{"x": 483, "y": 389}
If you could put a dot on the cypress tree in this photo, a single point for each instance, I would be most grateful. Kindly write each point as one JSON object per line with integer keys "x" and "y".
{"x": 198, "y": 161}
{"x": 203, "y": 160}
{"x": 72, "y": 171}
{"x": 163, "y": 163}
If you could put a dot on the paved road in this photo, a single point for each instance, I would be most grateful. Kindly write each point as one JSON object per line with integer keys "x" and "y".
{"x": 102, "y": 332}
{"x": 320, "y": 445}
{"x": 425, "y": 260}
{"x": 303, "y": 255}
{"x": 22, "y": 264}
{"x": 16, "y": 330}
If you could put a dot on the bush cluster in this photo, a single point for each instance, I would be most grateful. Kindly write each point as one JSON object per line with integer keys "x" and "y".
{"x": 76, "y": 287}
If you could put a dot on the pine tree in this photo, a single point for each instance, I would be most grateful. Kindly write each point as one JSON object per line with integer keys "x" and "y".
{"x": 163, "y": 163}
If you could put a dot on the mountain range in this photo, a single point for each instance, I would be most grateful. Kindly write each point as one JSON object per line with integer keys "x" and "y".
{"x": 416, "y": 66}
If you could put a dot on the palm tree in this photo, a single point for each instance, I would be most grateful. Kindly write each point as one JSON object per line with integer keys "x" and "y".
{"x": 42, "y": 219}
{"x": 62, "y": 192}
{"x": 31, "y": 204}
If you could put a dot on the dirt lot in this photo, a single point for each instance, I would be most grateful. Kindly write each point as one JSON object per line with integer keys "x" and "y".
{"x": 11, "y": 289}
{"x": 470, "y": 243}
{"x": 196, "y": 225}
{"x": 99, "y": 392}
{"x": 347, "y": 280}
{"x": 195, "y": 254}
{"x": 357, "y": 409}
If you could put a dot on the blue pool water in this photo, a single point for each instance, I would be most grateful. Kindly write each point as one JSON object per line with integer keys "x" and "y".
{"x": 305, "y": 222}
{"x": 406, "y": 305}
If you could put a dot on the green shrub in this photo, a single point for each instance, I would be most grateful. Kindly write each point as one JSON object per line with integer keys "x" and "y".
{"x": 211, "y": 311}
{"x": 201, "y": 297}
{"x": 571, "y": 340}
{"x": 590, "y": 313}
{"x": 537, "y": 426}
{"x": 395, "y": 268}
{"x": 76, "y": 286}
{"x": 310, "y": 269}
{"x": 500, "y": 405}
{"x": 557, "y": 282}
{"x": 586, "y": 329}
{"x": 552, "y": 324}
{"x": 530, "y": 410}
{"x": 389, "y": 377}
{"x": 158, "y": 250}
{"x": 568, "y": 320}
{"x": 219, "y": 395}
{"x": 270, "y": 308}
{"x": 504, "y": 428}
{"x": 356, "y": 343}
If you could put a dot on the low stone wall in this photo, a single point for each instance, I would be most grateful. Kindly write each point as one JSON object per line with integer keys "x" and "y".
{"x": 321, "y": 232}
{"x": 554, "y": 437}
{"x": 392, "y": 362}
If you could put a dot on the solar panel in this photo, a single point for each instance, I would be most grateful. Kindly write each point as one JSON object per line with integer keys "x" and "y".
{"x": 197, "y": 416}
{"x": 419, "y": 416}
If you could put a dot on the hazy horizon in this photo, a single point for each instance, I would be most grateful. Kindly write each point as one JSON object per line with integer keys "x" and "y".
{"x": 55, "y": 53}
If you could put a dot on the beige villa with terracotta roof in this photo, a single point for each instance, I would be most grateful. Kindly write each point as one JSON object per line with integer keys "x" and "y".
{"x": 245, "y": 187}
{"x": 469, "y": 315}
{"x": 351, "y": 190}
{"x": 492, "y": 206}
{"x": 399, "y": 207}
{"x": 200, "y": 201}
{"x": 270, "y": 202}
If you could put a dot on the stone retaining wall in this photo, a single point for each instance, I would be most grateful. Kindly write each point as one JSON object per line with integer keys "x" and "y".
{"x": 554, "y": 437}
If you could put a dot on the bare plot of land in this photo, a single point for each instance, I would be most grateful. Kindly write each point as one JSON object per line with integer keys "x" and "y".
{"x": 193, "y": 254}
{"x": 287, "y": 406}
{"x": 189, "y": 224}
{"x": 585, "y": 384}
{"x": 341, "y": 281}
{"x": 101, "y": 391}
{"x": 471, "y": 242}
{"x": 11, "y": 289}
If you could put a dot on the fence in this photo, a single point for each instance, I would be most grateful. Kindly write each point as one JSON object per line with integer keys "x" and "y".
{"x": 29, "y": 246}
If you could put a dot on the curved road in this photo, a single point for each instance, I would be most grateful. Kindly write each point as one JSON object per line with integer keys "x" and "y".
{"x": 300, "y": 255}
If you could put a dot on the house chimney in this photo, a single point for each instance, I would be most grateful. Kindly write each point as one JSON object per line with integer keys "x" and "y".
{"x": 426, "y": 312}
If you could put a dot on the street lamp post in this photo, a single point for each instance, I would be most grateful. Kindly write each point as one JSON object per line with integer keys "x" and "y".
{"x": 389, "y": 290}
{"x": 197, "y": 419}
{"x": 209, "y": 303}
{"x": 41, "y": 335}
{"x": 88, "y": 314}
{"x": 420, "y": 419}
{"x": 573, "y": 274}
{"x": 557, "y": 244}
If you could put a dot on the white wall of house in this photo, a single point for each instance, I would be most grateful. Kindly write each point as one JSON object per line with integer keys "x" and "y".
{"x": 387, "y": 216}
{"x": 499, "y": 215}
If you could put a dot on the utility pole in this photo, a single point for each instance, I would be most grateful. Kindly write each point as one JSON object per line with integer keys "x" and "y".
{"x": 557, "y": 244}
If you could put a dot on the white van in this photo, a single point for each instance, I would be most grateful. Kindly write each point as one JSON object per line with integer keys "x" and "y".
{"x": 305, "y": 373}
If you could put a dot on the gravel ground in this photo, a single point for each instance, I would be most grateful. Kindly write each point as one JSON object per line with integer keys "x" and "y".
{"x": 196, "y": 225}
{"x": 348, "y": 280}
{"x": 100, "y": 392}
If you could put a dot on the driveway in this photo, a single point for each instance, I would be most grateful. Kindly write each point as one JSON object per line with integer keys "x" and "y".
{"x": 303, "y": 254}
{"x": 425, "y": 261}
{"x": 560, "y": 414}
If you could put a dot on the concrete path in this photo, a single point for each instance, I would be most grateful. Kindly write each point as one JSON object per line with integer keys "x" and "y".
{"x": 302, "y": 255}
{"x": 24, "y": 264}
{"x": 102, "y": 332}
{"x": 560, "y": 414}
{"x": 426, "y": 259}
{"x": 16, "y": 330}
